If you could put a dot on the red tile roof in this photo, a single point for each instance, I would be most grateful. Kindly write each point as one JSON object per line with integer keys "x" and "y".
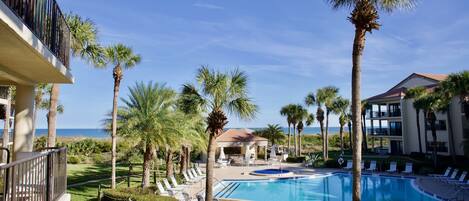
{"x": 239, "y": 135}
{"x": 437, "y": 77}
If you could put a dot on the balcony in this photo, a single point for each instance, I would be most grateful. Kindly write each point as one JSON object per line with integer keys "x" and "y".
{"x": 47, "y": 22}
{"x": 378, "y": 131}
{"x": 35, "y": 43}
{"x": 42, "y": 176}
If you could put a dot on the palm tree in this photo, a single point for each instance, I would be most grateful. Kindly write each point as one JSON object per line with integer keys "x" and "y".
{"x": 273, "y": 133}
{"x": 365, "y": 107}
{"x": 299, "y": 115}
{"x": 311, "y": 100}
{"x": 122, "y": 57}
{"x": 6, "y": 123}
{"x": 328, "y": 94}
{"x": 148, "y": 116}
{"x": 287, "y": 111}
{"x": 365, "y": 18}
{"x": 219, "y": 92}
{"x": 84, "y": 44}
{"x": 457, "y": 85}
{"x": 340, "y": 107}
{"x": 415, "y": 94}
{"x": 349, "y": 126}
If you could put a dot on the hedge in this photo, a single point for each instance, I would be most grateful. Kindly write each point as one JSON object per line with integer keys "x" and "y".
{"x": 133, "y": 194}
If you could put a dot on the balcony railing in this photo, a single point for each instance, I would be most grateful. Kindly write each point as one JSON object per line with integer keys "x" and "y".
{"x": 396, "y": 113}
{"x": 41, "y": 177}
{"x": 46, "y": 21}
{"x": 379, "y": 114}
{"x": 378, "y": 131}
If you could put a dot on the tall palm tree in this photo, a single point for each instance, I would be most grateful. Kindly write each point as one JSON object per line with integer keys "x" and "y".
{"x": 311, "y": 100}
{"x": 431, "y": 104}
{"x": 84, "y": 44}
{"x": 122, "y": 57}
{"x": 299, "y": 115}
{"x": 365, "y": 107}
{"x": 365, "y": 18}
{"x": 328, "y": 94}
{"x": 287, "y": 112}
{"x": 457, "y": 85}
{"x": 219, "y": 93}
{"x": 6, "y": 123}
{"x": 415, "y": 94}
{"x": 148, "y": 116}
{"x": 340, "y": 107}
{"x": 309, "y": 121}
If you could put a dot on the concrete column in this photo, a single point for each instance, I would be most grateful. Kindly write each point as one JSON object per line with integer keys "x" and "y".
{"x": 23, "y": 130}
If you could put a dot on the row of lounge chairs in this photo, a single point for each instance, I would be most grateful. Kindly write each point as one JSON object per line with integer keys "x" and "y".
{"x": 372, "y": 167}
{"x": 450, "y": 176}
{"x": 191, "y": 176}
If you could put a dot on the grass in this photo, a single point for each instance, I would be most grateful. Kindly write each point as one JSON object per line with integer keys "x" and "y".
{"x": 77, "y": 173}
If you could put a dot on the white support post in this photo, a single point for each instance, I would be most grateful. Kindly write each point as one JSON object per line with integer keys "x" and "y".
{"x": 23, "y": 131}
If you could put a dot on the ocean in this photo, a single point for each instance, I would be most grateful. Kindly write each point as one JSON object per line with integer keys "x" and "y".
{"x": 100, "y": 133}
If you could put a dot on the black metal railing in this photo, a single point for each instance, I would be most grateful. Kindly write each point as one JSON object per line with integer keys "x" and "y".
{"x": 46, "y": 21}
{"x": 378, "y": 131}
{"x": 41, "y": 177}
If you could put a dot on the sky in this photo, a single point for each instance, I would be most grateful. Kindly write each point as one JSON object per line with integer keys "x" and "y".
{"x": 287, "y": 48}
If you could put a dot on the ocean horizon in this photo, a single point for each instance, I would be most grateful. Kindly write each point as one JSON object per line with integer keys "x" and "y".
{"x": 101, "y": 133}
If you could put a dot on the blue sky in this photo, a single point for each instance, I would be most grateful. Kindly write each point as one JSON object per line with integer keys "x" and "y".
{"x": 288, "y": 48}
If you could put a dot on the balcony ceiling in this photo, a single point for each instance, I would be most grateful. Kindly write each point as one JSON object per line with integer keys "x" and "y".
{"x": 23, "y": 58}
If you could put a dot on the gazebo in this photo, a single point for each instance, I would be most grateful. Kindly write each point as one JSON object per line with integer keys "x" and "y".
{"x": 240, "y": 143}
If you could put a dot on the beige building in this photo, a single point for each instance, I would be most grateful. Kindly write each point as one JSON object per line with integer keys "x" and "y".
{"x": 240, "y": 143}
{"x": 34, "y": 48}
{"x": 392, "y": 120}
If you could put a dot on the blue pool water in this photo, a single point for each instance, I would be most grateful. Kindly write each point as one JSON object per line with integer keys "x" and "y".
{"x": 271, "y": 171}
{"x": 335, "y": 187}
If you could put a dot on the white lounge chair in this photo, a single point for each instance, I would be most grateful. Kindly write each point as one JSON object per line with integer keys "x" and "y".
{"x": 392, "y": 167}
{"x": 349, "y": 165}
{"x": 446, "y": 174}
{"x": 175, "y": 183}
{"x": 169, "y": 187}
{"x": 199, "y": 170}
{"x": 193, "y": 177}
{"x": 452, "y": 177}
{"x": 166, "y": 192}
{"x": 460, "y": 180}
{"x": 408, "y": 168}
{"x": 187, "y": 178}
{"x": 194, "y": 172}
{"x": 372, "y": 166}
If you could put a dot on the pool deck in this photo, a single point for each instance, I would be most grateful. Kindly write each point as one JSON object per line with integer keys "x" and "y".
{"x": 429, "y": 185}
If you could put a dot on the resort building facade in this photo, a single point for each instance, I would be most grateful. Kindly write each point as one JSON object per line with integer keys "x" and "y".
{"x": 392, "y": 120}
{"x": 34, "y": 48}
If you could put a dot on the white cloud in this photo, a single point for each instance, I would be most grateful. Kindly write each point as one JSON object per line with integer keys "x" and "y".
{"x": 208, "y": 6}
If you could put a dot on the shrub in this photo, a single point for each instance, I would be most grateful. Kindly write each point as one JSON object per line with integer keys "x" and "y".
{"x": 134, "y": 194}
{"x": 99, "y": 159}
{"x": 73, "y": 159}
{"x": 299, "y": 159}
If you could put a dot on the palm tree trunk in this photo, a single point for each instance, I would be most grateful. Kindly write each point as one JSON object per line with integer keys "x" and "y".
{"x": 299, "y": 143}
{"x": 365, "y": 141}
{"x": 294, "y": 140}
{"x": 326, "y": 138}
{"x": 117, "y": 74}
{"x": 341, "y": 130}
{"x": 188, "y": 156}
{"x": 289, "y": 144}
{"x": 418, "y": 129}
{"x": 52, "y": 115}
{"x": 169, "y": 163}
{"x": 350, "y": 135}
{"x": 34, "y": 120}
{"x": 425, "y": 130}
{"x": 321, "y": 126}
{"x": 183, "y": 161}
{"x": 434, "y": 144}
{"x": 358, "y": 46}
{"x": 147, "y": 162}
{"x": 452, "y": 150}
{"x": 6, "y": 126}
{"x": 209, "y": 169}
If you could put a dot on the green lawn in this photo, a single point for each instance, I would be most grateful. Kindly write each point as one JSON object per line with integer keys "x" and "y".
{"x": 77, "y": 173}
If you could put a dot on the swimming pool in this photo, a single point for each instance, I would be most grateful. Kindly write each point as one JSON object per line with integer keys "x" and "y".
{"x": 336, "y": 186}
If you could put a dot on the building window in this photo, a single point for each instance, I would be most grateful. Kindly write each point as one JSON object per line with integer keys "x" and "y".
{"x": 440, "y": 125}
{"x": 395, "y": 110}
{"x": 395, "y": 128}
{"x": 440, "y": 146}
